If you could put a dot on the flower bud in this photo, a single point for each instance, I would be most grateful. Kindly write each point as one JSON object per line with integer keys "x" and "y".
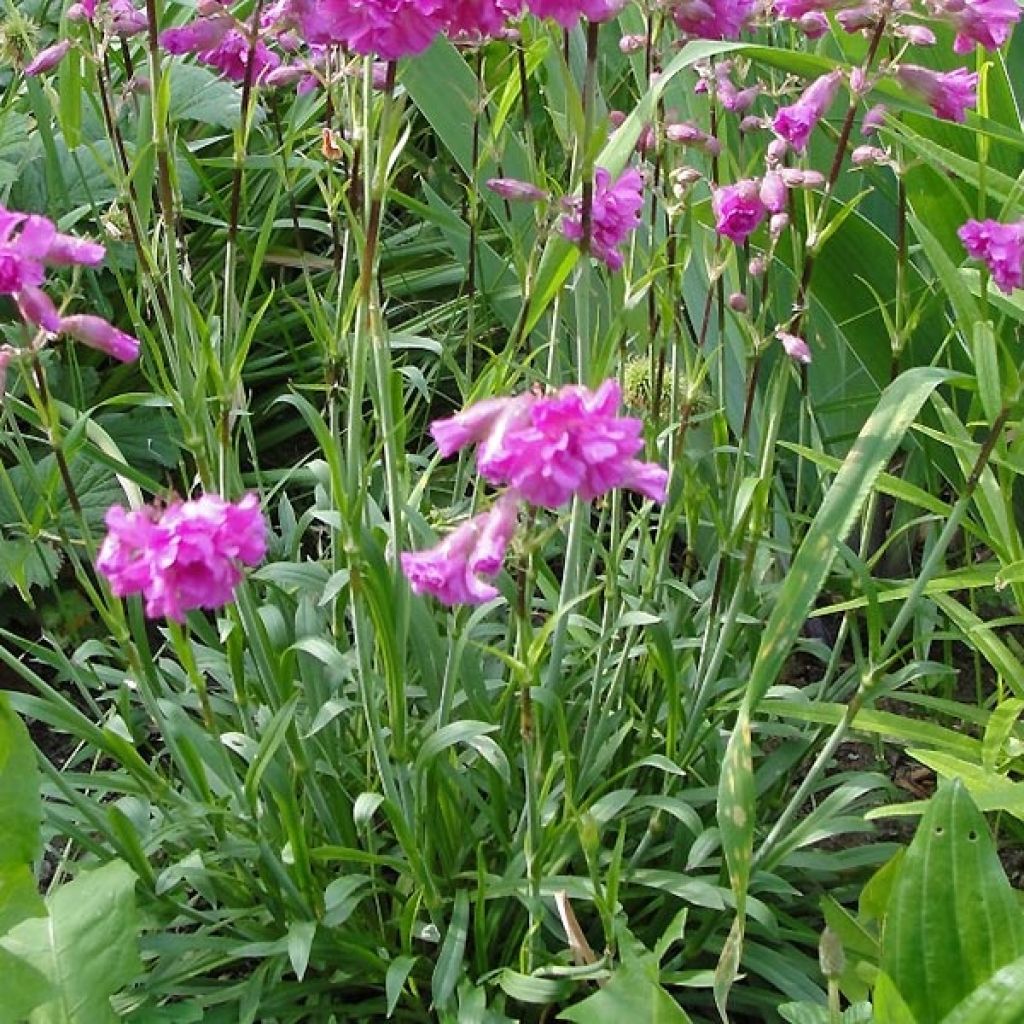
{"x": 513, "y": 189}
{"x": 95, "y": 332}
{"x": 738, "y": 302}
{"x": 777, "y": 150}
{"x": 37, "y": 308}
{"x": 873, "y": 119}
{"x": 757, "y": 266}
{"x": 917, "y": 35}
{"x": 813, "y": 24}
{"x": 777, "y": 224}
{"x": 796, "y": 348}
{"x": 48, "y": 59}
{"x": 77, "y": 13}
{"x": 773, "y": 192}
{"x": 616, "y": 118}
{"x": 632, "y": 43}
{"x": 863, "y": 156}
{"x": 751, "y": 123}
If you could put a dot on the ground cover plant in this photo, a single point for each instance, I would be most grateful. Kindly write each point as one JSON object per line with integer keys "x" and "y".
{"x": 511, "y": 512}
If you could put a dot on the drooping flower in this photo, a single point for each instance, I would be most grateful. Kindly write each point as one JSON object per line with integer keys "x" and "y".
{"x": 451, "y": 570}
{"x": 738, "y": 209}
{"x": 796, "y": 122}
{"x": 948, "y": 93}
{"x": 986, "y": 22}
{"x": 615, "y": 212}
{"x": 1000, "y": 246}
{"x": 713, "y": 19}
{"x": 185, "y": 556}
{"x": 390, "y": 29}
{"x": 476, "y": 18}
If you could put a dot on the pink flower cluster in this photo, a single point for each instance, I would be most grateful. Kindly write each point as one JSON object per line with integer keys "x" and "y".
{"x": 184, "y": 556}
{"x": 546, "y": 449}
{"x": 795, "y": 123}
{"x": 1000, "y": 247}
{"x": 28, "y": 245}
{"x": 615, "y": 212}
{"x": 713, "y": 19}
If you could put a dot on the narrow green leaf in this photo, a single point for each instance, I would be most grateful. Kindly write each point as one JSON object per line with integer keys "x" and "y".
{"x": 449, "y": 960}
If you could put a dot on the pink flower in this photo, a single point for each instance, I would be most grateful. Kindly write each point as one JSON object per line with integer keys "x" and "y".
{"x": 478, "y": 423}
{"x": 184, "y": 557}
{"x": 24, "y": 242}
{"x": 947, "y": 93}
{"x": 713, "y": 19}
{"x": 796, "y": 122}
{"x": 475, "y": 18}
{"x": 1000, "y": 246}
{"x": 615, "y": 212}
{"x": 451, "y": 570}
{"x": 986, "y": 22}
{"x": 572, "y": 442}
{"x": 388, "y": 28}
{"x": 48, "y": 59}
{"x": 95, "y": 332}
{"x": 199, "y": 34}
{"x": 568, "y": 12}
{"x": 738, "y": 209}
{"x": 796, "y": 348}
{"x": 774, "y": 192}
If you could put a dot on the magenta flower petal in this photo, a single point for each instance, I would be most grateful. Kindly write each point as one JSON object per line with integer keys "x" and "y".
{"x": 97, "y": 333}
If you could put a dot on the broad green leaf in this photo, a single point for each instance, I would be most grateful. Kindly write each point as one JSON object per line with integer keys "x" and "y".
{"x": 631, "y": 994}
{"x": 999, "y": 1000}
{"x": 300, "y": 943}
{"x": 813, "y": 1013}
{"x": 87, "y": 948}
{"x": 20, "y": 806}
{"x": 19, "y": 896}
{"x": 197, "y": 94}
{"x": 24, "y": 988}
{"x": 953, "y": 919}
{"x": 453, "y": 949}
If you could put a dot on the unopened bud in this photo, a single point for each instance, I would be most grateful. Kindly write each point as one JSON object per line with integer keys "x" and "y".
{"x": 512, "y": 188}
{"x": 776, "y": 151}
{"x": 917, "y": 35}
{"x": 778, "y": 223}
{"x": 751, "y": 123}
{"x": 858, "y": 81}
{"x": 616, "y": 118}
{"x": 813, "y": 24}
{"x": 773, "y": 192}
{"x": 864, "y": 156}
{"x": 757, "y": 266}
{"x": 632, "y": 43}
{"x": 48, "y": 59}
{"x": 738, "y": 302}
